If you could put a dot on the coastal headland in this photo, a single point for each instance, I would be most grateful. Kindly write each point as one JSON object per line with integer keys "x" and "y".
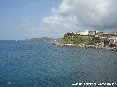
{"x": 89, "y": 39}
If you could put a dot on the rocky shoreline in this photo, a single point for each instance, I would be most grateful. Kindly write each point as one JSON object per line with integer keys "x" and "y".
{"x": 88, "y": 46}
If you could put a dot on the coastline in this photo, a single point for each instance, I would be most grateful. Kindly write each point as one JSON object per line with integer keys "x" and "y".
{"x": 88, "y": 46}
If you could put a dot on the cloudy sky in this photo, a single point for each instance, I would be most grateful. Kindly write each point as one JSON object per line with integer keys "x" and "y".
{"x": 21, "y": 19}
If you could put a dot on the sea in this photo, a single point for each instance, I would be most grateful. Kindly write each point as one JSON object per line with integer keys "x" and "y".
{"x": 43, "y": 64}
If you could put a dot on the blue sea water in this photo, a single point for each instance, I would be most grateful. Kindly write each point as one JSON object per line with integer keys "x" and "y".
{"x": 42, "y": 64}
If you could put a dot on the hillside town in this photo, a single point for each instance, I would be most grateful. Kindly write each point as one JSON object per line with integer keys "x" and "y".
{"x": 86, "y": 38}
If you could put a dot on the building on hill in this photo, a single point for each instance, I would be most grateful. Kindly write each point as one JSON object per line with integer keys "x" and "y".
{"x": 114, "y": 33}
{"x": 100, "y": 34}
{"x": 113, "y": 41}
{"x": 84, "y": 32}
{"x": 92, "y": 33}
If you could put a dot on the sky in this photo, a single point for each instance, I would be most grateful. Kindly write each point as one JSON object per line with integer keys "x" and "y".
{"x": 24, "y": 19}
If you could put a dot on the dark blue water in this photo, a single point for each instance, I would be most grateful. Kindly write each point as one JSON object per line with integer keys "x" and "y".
{"x": 31, "y": 64}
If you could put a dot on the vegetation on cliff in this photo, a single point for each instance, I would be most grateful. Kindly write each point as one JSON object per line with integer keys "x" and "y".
{"x": 76, "y": 39}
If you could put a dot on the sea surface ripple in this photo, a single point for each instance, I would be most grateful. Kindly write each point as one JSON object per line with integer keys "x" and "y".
{"x": 42, "y": 64}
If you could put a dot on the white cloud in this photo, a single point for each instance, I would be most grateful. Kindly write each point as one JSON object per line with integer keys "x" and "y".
{"x": 57, "y": 25}
{"x": 70, "y": 15}
{"x": 59, "y": 20}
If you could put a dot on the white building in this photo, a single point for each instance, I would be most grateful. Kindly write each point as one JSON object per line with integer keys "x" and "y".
{"x": 92, "y": 33}
{"x": 84, "y": 32}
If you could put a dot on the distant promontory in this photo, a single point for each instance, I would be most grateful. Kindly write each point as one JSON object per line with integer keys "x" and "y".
{"x": 40, "y": 39}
